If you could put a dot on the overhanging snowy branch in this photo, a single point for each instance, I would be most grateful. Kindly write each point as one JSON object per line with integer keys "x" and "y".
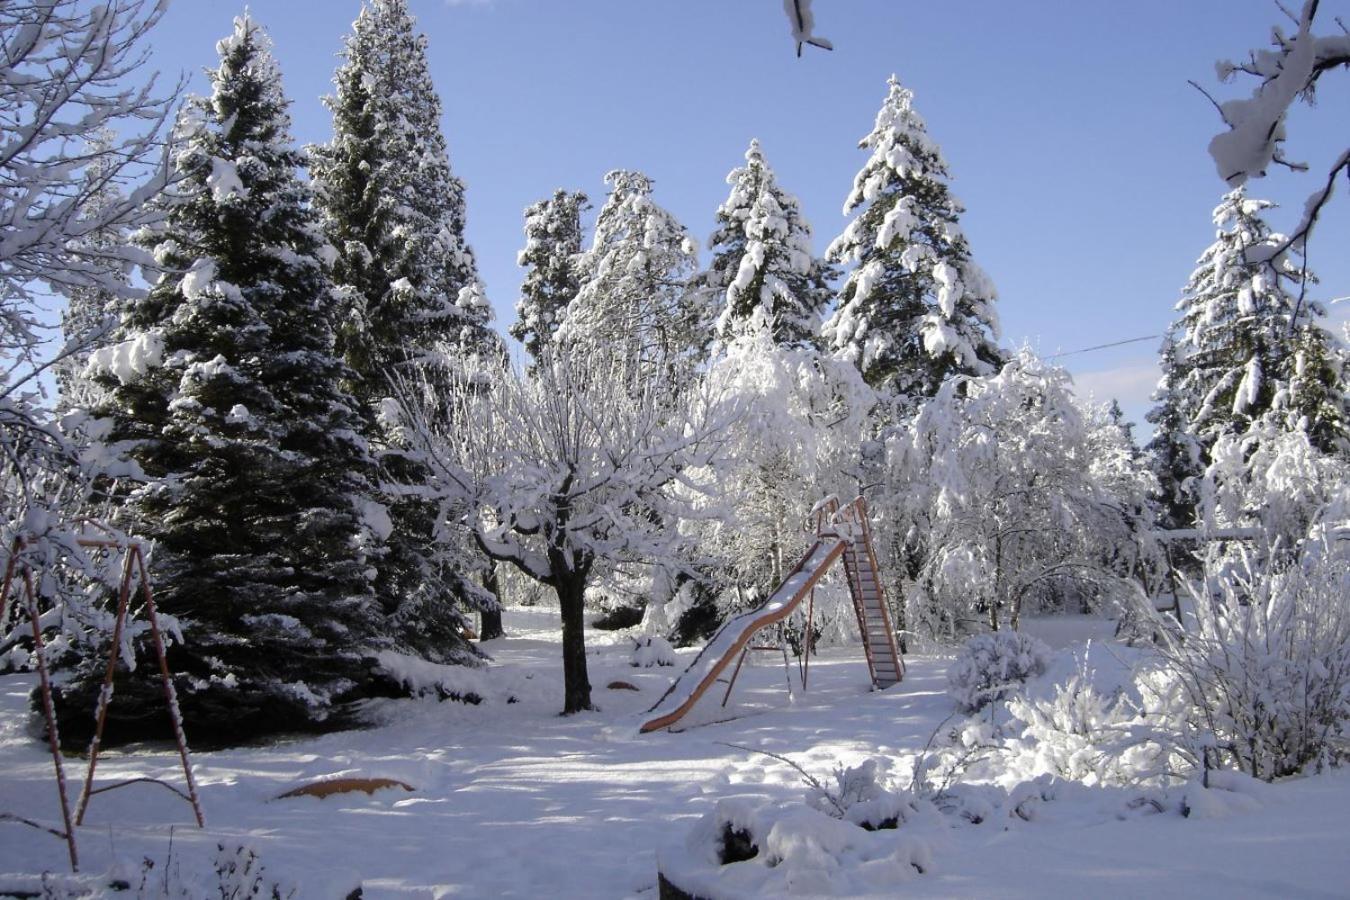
{"x": 1256, "y": 124}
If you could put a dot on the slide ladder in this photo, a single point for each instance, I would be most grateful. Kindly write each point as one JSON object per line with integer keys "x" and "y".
{"x": 841, "y": 534}
{"x": 869, "y": 602}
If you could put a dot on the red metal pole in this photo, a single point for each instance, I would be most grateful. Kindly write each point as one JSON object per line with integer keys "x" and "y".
{"x": 53, "y": 738}
{"x": 170, "y": 695}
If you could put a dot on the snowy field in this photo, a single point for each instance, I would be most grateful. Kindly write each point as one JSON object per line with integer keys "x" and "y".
{"x": 511, "y": 800}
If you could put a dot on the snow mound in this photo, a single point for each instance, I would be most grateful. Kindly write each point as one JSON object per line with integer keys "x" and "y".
{"x": 744, "y": 849}
{"x": 650, "y": 651}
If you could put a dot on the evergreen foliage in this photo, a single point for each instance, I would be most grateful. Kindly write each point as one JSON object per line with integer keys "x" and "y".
{"x": 763, "y": 269}
{"x": 1174, "y": 454}
{"x": 634, "y": 294}
{"x": 1246, "y": 346}
{"x": 227, "y": 391}
{"x": 391, "y": 206}
{"x": 916, "y": 309}
{"x": 394, "y": 212}
{"x": 552, "y": 248}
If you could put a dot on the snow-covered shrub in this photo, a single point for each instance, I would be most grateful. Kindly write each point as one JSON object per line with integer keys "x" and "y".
{"x": 860, "y": 794}
{"x": 802, "y": 416}
{"x": 1088, "y": 735}
{"x": 243, "y": 877}
{"x": 651, "y": 650}
{"x": 994, "y": 667}
{"x": 745, "y": 849}
{"x": 1260, "y": 680}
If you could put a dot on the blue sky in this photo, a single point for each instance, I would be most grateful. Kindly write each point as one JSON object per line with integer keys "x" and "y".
{"x": 1074, "y": 139}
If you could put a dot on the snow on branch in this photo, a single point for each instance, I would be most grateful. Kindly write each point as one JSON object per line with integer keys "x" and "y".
{"x": 566, "y": 464}
{"x": 803, "y": 23}
{"x": 81, "y": 156}
{"x": 1256, "y": 124}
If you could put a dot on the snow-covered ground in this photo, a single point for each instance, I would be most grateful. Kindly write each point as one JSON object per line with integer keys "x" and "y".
{"x": 512, "y": 800}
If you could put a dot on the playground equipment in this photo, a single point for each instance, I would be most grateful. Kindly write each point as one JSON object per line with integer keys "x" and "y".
{"x": 841, "y": 533}
{"x": 19, "y": 576}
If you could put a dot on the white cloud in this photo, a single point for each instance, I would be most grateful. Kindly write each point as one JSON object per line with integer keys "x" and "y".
{"x": 1131, "y": 383}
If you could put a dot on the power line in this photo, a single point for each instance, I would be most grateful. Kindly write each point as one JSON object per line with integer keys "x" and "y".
{"x": 1147, "y": 337}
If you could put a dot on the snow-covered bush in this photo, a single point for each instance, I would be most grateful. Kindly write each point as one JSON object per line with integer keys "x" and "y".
{"x": 746, "y": 849}
{"x": 1261, "y": 677}
{"x": 1088, "y": 735}
{"x": 861, "y": 794}
{"x": 802, "y": 417}
{"x": 651, "y": 650}
{"x": 994, "y": 667}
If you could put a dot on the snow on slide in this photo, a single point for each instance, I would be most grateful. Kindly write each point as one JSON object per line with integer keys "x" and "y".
{"x": 735, "y": 634}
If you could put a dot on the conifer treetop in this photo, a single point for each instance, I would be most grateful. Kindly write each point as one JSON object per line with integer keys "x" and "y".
{"x": 634, "y": 293}
{"x": 553, "y": 243}
{"x": 392, "y": 207}
{"x": 915, "y": 308}
{"x": 763, "y": 272}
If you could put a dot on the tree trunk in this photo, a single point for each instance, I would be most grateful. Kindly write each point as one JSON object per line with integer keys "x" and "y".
{"x": 571, "y": 590}
{"x": 491, "y": 619}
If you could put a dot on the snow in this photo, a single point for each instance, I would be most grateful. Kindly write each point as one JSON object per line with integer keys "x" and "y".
{"x": 128, "y": 360}
{"x": 198, "y": 278}
{"x": 802, "y": 21}
{"x": 376, "y": 517}
{"x": 224, "y": 180}
{"x": 510, "y": 800}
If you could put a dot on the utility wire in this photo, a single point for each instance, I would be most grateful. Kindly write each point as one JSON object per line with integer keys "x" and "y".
{"x": 1147, "y": 337}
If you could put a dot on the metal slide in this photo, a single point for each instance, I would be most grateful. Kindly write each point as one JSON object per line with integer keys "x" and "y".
{"x": 842, "y": 533}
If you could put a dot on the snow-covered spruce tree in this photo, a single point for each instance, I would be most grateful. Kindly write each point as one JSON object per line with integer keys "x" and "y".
{"x": 634, "y": 294}
{"x": 1246, "y": 347}
{"x": 390, "y": 205}
{"x": 394, "y": 212}
{"x": 763, "y": 269}
{"x": 915, "y": 309}
{"x": 1173, "y": 452}
{"x": 552, "y": 246}
{"x": 227, "y": 387}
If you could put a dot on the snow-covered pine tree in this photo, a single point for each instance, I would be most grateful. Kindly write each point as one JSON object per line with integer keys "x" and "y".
{"x": 763, "y": 269}
{"x": 390, "y": 204}
{"x": 227, "y": 388}
{"x": 1248, "y": 346}
{"x": 1173, "y": 452}
{"x": 394, "y": 212}
{"x": 915, "y": 309}
{"x": 634, "y": 294}
{"x": 552, "y": 246}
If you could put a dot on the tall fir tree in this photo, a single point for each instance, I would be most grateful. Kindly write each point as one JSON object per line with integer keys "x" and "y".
{"x": 227, "y": 389}
{"x": 553, "y": 244}
{"x": 763, "y": 271}
{"x": 1246, "y": 345}
{"x": 390, "y": 204}
{"x": 635, "y": 297}
{"x": 915, "y": 309}
{"x": 1173, "y": 453}
{"x": 394, "y": 212}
